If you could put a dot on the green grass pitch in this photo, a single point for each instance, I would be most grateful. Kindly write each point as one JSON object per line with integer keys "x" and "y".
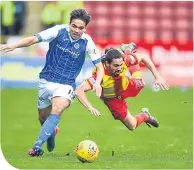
{"x": 168, "y": 147}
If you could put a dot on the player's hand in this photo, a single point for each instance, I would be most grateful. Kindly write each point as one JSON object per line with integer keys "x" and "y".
{"x": 7, "y": 47}
{"x": 94, "y": 111}
{"x": 160, "y": 82}
{"x": 97, "y": 87}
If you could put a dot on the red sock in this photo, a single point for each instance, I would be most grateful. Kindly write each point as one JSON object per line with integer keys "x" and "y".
{"x": 141, "y": 117}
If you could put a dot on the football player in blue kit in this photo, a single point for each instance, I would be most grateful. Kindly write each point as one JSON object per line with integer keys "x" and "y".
{"x": 68, "y": 45}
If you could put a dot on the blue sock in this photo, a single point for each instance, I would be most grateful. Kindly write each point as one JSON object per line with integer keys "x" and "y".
{"x": 47, "y": 129}
{"x": 42, "y": 122}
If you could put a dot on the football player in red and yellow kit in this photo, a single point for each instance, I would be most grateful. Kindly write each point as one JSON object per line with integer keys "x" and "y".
{"x": 117, "y": 85}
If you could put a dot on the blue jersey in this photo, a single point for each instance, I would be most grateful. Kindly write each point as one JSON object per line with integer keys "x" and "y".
{"x": 65, "y": 57}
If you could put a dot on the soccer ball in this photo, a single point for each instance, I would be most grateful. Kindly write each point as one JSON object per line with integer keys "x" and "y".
{"x": 87, "y": 151}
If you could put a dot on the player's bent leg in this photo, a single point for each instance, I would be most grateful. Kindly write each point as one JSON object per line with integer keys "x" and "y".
{"x": 61, "y": 96}
{"x": 132, "y": 122}
{"x": 118, "y": 107}
{"x": 119, "y": 110}
{"x": 136, "y": 83}
{"x": 59, "y": 104}
{"x": 44, "y": 108}
{"x": 61, "y": 99}
{"x": 129, "y": 121}
{"x": 145, "y": 116}
{"x": 43, "y": 115}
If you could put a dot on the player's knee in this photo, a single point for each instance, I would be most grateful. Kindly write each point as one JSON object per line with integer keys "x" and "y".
{"x": 57, "y": 110}
{"x": 130, "y": 122}
{"x": 131, "y": 128}
{"x": 59, "y": 104}
{"x": 132, "y": 125}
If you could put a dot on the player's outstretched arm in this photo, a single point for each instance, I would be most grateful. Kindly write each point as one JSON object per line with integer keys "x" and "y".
{"x": 100, "y": 73}
{"x": 23, "y": 43}
{"x": 80, "y": 94}
{"x": 159, "y": 81}
{"x": 96, "y": 59}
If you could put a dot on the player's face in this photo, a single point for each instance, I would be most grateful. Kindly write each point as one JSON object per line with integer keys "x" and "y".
{"x": 115, "y": 67}
{"x": 77, "y": 27}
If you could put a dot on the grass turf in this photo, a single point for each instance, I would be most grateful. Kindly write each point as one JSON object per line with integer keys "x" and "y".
{"x": 168, "y": 147}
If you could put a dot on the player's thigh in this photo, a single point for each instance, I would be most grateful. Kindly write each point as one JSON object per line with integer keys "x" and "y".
{"x": 62, "y": 98}
{"x": 129, "y": 121}
{"x": 134, "y": 87}
{"x": 117, "y": 107}
{"x": 136, "y": 82}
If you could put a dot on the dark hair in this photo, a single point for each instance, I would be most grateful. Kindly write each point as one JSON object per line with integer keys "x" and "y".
{"x": 111, "y": 54}
{"x": 81, "y": 14}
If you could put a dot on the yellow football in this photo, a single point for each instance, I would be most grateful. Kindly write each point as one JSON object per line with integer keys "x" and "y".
{"x": 87, "y": 151}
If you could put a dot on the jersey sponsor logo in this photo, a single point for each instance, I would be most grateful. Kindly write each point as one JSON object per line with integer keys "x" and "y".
{"x": 74, "y": 54}
{"x": 92, "y": 80}
{"x": 76, "y": 45}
